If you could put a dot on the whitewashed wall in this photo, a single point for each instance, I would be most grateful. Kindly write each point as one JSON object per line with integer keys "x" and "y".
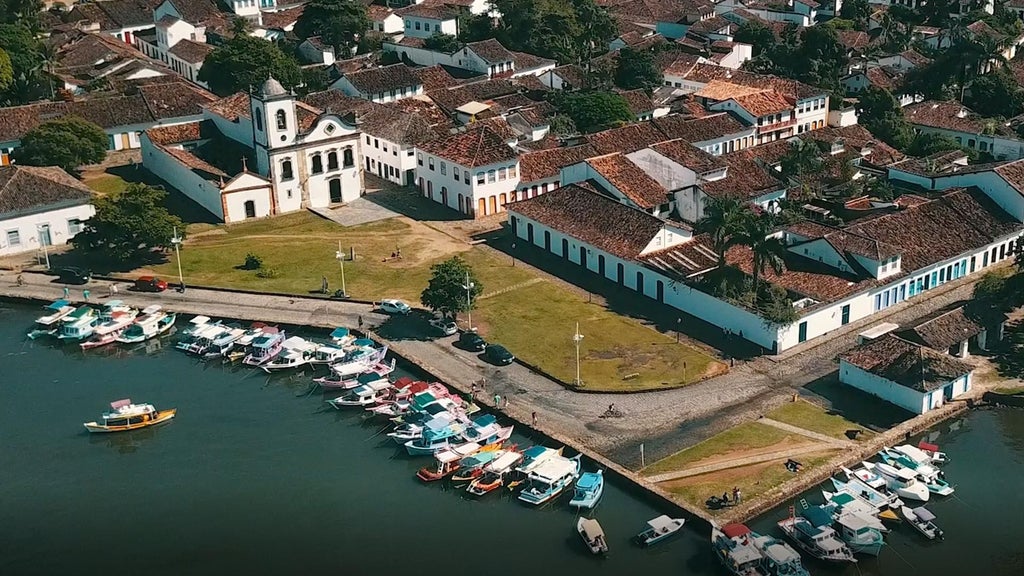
{"x": 202, "y": 191}
{"x": 912, "y": 400}
{"x": 28, "y": 231}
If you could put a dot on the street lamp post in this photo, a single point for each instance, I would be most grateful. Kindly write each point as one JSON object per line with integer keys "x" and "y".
{"x": 513, "y": 254}
{"x": 577, "y": 338}
{"x": 176, "y": 240}
{"x": 469, "y": 300}
{"x": 341, "y": 262}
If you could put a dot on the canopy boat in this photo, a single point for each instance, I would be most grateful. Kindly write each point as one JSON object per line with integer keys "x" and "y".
{"x": 195, "y": 324}
{"x": 902, "y": 481}
{"x": 440, "y": 433}
{"x": 931, "y": 451}
{"x": 534, "y": 456}
{"x": 265, "y": 346}
{"x": 46, "y": 324}
{"x": 494, "y": 473}
{"x": 593, "y": 535}
{"x": 365, "y": 395}
{"x": 127, "y": 416}
{"x": 114, "y": 319}
{"x": 358, "y": 360}
{"x": 326, "y": 354}
{"x": 152, "y": 322}
{"x": 221, "y": 345}
{"x": 866, "y": 493}
{"x": 858, "y": 535}
{"x": 412, "y": 425}
{"x": 78, "y": 325}
{"x": 295, "y": 352}
{"x": 589, "y": 489}
{"x": 372, "y": 372}
{"x": 734, "y": 546}
{"x": 777, "y": 557}
{"x": 659, "y": 529}
{"x": 919, "y": 455}
{"x": 448, "y": 461}
{"x": 472, "y": 466}
{"x": 199, "y": 339}
{"x": 923, "y": 521}
{"x": 550, "y": 479}
{"x": 341, "y": 337}
{"x": 844, "y": 503}
{"x": 818, "y": 541}
{"x": 867, "y": 475}
{"x": 486, "y": 430}
{"x": 243, "y": 345}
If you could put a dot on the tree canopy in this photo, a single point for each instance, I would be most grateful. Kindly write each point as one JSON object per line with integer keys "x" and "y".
{"x": 758, "y": 35}
{"x": 6, "y": 71}
{"x": 635, "y": 69}
{"x": 882, "y": 115}
{"x": 337, "y": 22}
{"x": 445, "y": 43}
{"x": 593, "y": 111}
{"x": 813, "y": 55}
{"x": 569, "y": 31}
{"x": 129, "y": 223}
{"x": 27, "y": 57}
{"x": 446, "y": 291}
{"x": 995, "y": 94}
{"x": 246, "y": 61}
{"x": 67, "y": 142}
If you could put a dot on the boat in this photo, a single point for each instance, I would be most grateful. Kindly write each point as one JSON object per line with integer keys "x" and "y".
{"x": 222, "y": 345}
{"x": 858, "y": 535}
{"x": 867, "y": 493}
{"x": 358, "y": 360}
{"x": 867, "y": 475}
{"x": 46, "y": 324}
{"x": 295, "y": 352}
{"x": 472, "y": 466}
{"x": 777, "y": 557}
{"x": 548, "y": 480}
{"x": 902, "y": 481}
{"x": 365, "y": 395}
{"x": 534, "y": 456}
{"x": 323, "y": 353}
{"x": 341, "y": 337}
{"x": 658, "y": 529}
{"x": 114, "y": 319}
{"x": 822, "y": 542}
{"x": 199, "y": 338}
{"x": 920, "y": 455}
{"x": 195, "y": 324}
{"x": 932, "y": 451}
{"x": 440, "y": 433}
{"x": 411, "y": 426}
{"x": 898, "y": 459}
{"x": 265, "y": 346}
{"x": 374, "y": 372}
{"x": 486, "y": 430}
{"x": 243, "y": 345}
{"x": 78, "y": 325}
{"x": 448, "y": 460}
{"x": 593, "y": 535}
{"x": 126, "y": 416}
{"x": 844, "y": 503}
{"x": 735, "y": 548}
{"x": 923, "y": 521}
{"x": 152, "y": 322}
{"x": 494, "y": 473}
{"x": 589, "y": 489}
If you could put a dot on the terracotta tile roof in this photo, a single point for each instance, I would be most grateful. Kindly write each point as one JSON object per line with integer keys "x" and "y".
{"x": 231, "y": 107}
{"x": 472, "y": 149}
{"x": 638, "y": 101}
{"x": 858, "y": 138}
{"x": 653, "y": 11}
{"x": 764, "y": 103}
{"x": 282, "y": 18}
{"x": 853, "y": 39}
{"x": 412, "y": 42}
{"x": 430, "y": 10}
{"x": 881, "y": 77}
{"x": 114, "y": 14}
{"x": 703, "y": 129}
{"x": 684, "y": 260}
{"x": 845, "y": 242}
{"x": 372, "y": 81}
{"x": 378, "y": 13}
{"x": 1013, "y": 174}
{"x": 713, "y": 25}
{"x": 677, "y": 64}
{"x": 626, "y": 139}
{"x": 705, "y": 73}
{"x": 630, "y": 180}
{"x": 167, "y": 100}
{"x": 179, "y": 133}
{"x": 747, "y": 179}
{"x": 719, "y": 90}
{"x": 544, "y": 164}
{"x": 396, "y": 121}
{"x": 687, "y": 155}
{"x": 434, "y": 78}
{"x": 604, "y": 223}
{"x": 305, "y": 116}
{"x": 191, "y": 51}
{"x": 951, "y": 115}
{"x": 196, "y": 11}
{"x": 525, "y": 61}
{"x": 427, "y": 110}
{"x": 25, "y": 188}
{"x": 981, "y": 28}
{"x": 575, "y": 75}
{"x": 803, "y": 276}
{"x": 201, "y": 167}
{"x": 915, "y": 58}
{"x": 451, "y": 98}
{"x": 952, "y": 325}
{"x": 906, "y": 363}
{"x": 491, "y": 51}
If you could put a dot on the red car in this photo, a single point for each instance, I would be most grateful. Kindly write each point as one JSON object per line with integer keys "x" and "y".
{"x": 150, "y": 284}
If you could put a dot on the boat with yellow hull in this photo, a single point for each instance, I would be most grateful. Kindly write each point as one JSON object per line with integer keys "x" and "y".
{"x": 127, "y": 416}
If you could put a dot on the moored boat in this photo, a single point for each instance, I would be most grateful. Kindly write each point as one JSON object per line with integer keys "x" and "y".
{"x": 593, "y": 535}
{"x": 447, "y": 461}
{"x": 358, "y": 360}
{"x": 46, "y": 325}
{"x": 867, "y": 475}
{"x": 472, "y": 466}
{"x": 902, "y": 481}
{"x": 224, "y": 343}
{"x": 342, "y": 337}
{"x": 843, "y": 503}
{"x": 534, "y": 456}
{"x": 900, "y": 460}
{"x": 494, "y": 473}
{"x": 932, "y": 452}
{"x": 126, "y": 416}
{"x": 365, "y": 395}
{"x": 152, "y": 322}
{"x": 588, "y": 491}
{"x": 78, "y": 325}
{"x": 923, "y": 521}
{"x": 199, "y": 338}
{"x": 295, "y": 352}
{"x": 777, "y": 557}
{"x": 264, "y": 347}
{"x": 548, "y": 480}
{"x": 324, "y": 353}
{"x": 659, "y": 529}
{"x": 858, "y": 535}
{"x": 818, "y": 541}
{"x": 866, "y": 493}
{"x": 373, "y": 372}
{"x": 486, "y": 430}
{"x": 735, "y": 549}
{"x": 440, "y": 433}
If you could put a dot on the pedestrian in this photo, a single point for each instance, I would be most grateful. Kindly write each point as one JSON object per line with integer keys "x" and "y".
{"x": 323, "y": 284}
{"x": 506, "y": 402}
{"x": 360, "y": 321}
{"x": 497, "y": 400}
{"x": 67, "y": 293}
{"x": 472, "y": 390}
{"x": 533, "y": 418}
{"x": 113, "y": 289}
{"x": 737, "y": 497}
{"x": 85, "y": 294}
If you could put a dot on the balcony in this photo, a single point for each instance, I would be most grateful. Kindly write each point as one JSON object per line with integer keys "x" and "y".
{"x": 761, "y": 129}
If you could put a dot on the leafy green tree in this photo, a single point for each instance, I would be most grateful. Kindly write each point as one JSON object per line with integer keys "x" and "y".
{"x": 635, "y": 69}
{"x": 926, "y": 144}
{"x": 26, "y": 54}
{"x": 445, "y": 43}
{"x": 776, "y": 307}
{"x": 995, "y": 94}
{"x": 67, "y": 142}
{"x": 723, "y": 221}
{"x": 6, "y": 71}
{"x": 593, "y": 111}
{"x": 128, "y": 223}
{"x": 758, "y": 35}
{"x": 562, "y": 125}
{"x": 20, "y": 12}
{"x": 803, "y": 157}
{"x": 767, "y": 251}
{"x": 569, "y": 31}
{"x": 446, "y": 292}
{"x": 336, "y": 22}
{"x": 246, "y": 61}
{"x": 882, "y": 115}
{"x": 475, "y": 27}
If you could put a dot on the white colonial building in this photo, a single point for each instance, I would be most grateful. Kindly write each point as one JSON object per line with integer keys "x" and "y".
{"x": 475, "y": 172}
{"x": 40, "y": 206}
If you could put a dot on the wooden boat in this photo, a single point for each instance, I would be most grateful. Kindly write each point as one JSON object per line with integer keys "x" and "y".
{"x": 374, "y": 372}
{"x": 777, "y": 557}
{"x": 114, "y": 319}
{"x": 195, "y": 324}
{"x": 127, "y": 416}
{"x": 658, "y": 529}
{"x": 342, "y": 338}
{"x": 858, "y": 535}
{"x": 818, "y": 541}
{"x": 734, "y": 546}
{"x": 364, "y": 395}
{"x": 447, "y": 461}
{"x": 550, "y": 479}
{"x": 224, "y": 343}
{"x": 494, "y": 473}
{"x": 589, "y": 489}
{"x": 265, "y": 346}
{"x": 295, "y": 352}
{"x": 324, "y": 353}
{"x": 440, "y": 433}
{"x": 534, "y": 456}
{"x": 78, "y": 325}
{"x": 472, "y": 466}
{"x": 152, "y": 322}
{"x": 200, "y": 338}
{"x": 358, "y": 360}
{"x": 923, "y": 521}
{"x": 47, "y": 323}
{"x": 593, "y": 535}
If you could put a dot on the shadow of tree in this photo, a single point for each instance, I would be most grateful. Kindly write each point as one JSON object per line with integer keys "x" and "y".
{"x": 413, "y": 326}
{"x": 857, "y": 406}
{"x": 102, "y": 265}
{"x": 176, "y": 202}
{"x": 1008, "y": 355}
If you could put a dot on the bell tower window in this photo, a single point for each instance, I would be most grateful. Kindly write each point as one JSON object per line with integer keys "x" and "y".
{"x": 259, "y": 119}
{"x": 349, "y": 158}
{"x": 286, "y": 170}
{"x": 282, "y": 121}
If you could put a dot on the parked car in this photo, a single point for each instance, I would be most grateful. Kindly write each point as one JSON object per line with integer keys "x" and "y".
{"x": 444, "y": 326}
{"x": 71, "y": 275}
{"x": 149, "y": 284}
{"x": 499, "y": 354}
{"x": 472, "y": 341}
{"x": 392, "y": 306}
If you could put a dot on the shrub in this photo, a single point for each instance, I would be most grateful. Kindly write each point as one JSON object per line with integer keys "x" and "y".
{"x": 252, "y": 262}
{"x": 267, "y": 273}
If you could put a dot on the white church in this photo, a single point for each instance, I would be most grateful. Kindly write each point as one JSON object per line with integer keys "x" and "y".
{"x": 260, "y": 154}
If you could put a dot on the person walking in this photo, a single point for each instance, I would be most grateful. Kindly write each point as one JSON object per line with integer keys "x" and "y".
{"x": 533, "y": 419}
{"x": 85, "y": 294}
{"x": 497, "y": 400}
{"x": 67, "y": 293}
{"x": 113, "y": 289}
{"x": 360, "y": 321}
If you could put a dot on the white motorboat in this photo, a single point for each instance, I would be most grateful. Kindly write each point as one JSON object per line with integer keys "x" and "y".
{"x": 295, "y": 352}
{"x": 734, "y": 546}
{"x": 844, "y": 503}
{"x": 931, "y": 451}
{"x": 342, "y": 337}
{"x": 896, "y": 458}
{"x": 200, "y": 338}
{"x": 196, "y": 323}
{"x": 923, "y": 521}
{"x": 867, "y": 493}
{"x": 224, "y": 343}
{"x": 659, "y": 529}
{"x": 46, "y": 323}
{"x": 866, "y": 475}
{"x": 548, "y": 480}
{"x": 902, "y": 481}
{"x": 364, "y": 395}
{"x": 592, "y": 533}
{"x": 822, "y": 542}
{"x": 78, "y": 325}
{"x": 373, "y": 372}
{"x": 858, "y": 535}
{"x": 152, "y": 322}
{"x": 327, "y": 354}
{"x": 357, "y": 361}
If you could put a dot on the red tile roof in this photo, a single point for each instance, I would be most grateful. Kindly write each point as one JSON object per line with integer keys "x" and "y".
{"x": 231, "y": 107}
{"x": 703, "y": 129}
{"x": 626, "y": 139}
{"x": 764, "y": 103}
{"x": 952, "y": 115}
{"x": 25, "y": 188}
{"x": 630, "y": 180}
{"x": 685, "y": 154}
{"x": 472, "y": 149}
{"x": 545, "y": 164}
{"x": 906, "y": 363}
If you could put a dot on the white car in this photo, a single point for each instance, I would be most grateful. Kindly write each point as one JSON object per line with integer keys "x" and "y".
{"x": 392, "y": 306}
{"x": 445, "y": 326}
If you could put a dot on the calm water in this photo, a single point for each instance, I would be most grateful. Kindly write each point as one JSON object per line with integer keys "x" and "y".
{"x": 254, "y": 475}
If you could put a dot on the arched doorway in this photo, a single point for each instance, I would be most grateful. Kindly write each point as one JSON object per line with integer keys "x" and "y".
{"x": 482, "y": 207}
{"x": 600, "y": 264}
{"x": 640, "y": 282}
{"x": 494, "y": 204}
{"x": 423, "y": 186}
{"x": 661, "y": 291}
{"x": 250, "y": 209}
{"x": 583, "y": 256}
{"x": 565, "y": 248}
{"x": 444, "y": 195}
{"x": 501, "y": 200}
{"x": 430, "y": 189}
{"x": 547, "y": 240}
{"x": 461, "y": 200}
{"x": 334, "y": 186}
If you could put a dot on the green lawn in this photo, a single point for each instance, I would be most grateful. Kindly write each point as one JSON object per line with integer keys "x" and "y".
{"x": 747, "y": 436}
{"x": 812, "y": 417}
{"x": 105, "y": 183}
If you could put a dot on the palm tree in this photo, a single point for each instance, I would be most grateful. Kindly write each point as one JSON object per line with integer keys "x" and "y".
{"x": 723, "y": 220}
{"x": 767, "y": 250}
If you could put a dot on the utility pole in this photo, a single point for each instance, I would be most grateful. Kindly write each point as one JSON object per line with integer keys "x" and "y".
{"x": 176, "y": 240}
{"x": 469, "y": 300}
{"x": 341, "y": 262}
{"x": 577, "y": 338}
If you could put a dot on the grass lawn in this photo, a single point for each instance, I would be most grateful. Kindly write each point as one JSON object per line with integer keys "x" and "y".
{"x": 537, "y": 323}
{"x": 752, "y": 480}
{"x": 747, "y": 436}
{"x": 1010, "y": 390}
{"x": 105, "y": 183}
{"x": 812, "y": 417}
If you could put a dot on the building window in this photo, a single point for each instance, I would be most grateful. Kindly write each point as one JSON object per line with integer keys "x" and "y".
{"x": 491, "y": 176}
{"x": 465, "y": 176}
{"x": 385, "y": 146}
{"x": 13, "y": 238}
{"x": 367, "y": 140}
{"x": 259, "y": 119}
{"x": 479, "y": 177}
{"x": 444, "y": 169}
{"x": 376, "y": 143}
{"x": 455, "y": 174}
{"x": 419, "y": 159}
{"x": 250, "y": 209}
{"x": 349, "y": 158}
{"x": 332, "y": 160}
{"x": 74, "y": 226}
{"x": 286, "y": 170}
{"x": 430, "y": 163}
{"x": 282, "y": 121}
{"x": 409, "y": 152}
{"x": 318, "y": 164}
{"x": 502, "y": 173}
{"x": 418, "y": 26}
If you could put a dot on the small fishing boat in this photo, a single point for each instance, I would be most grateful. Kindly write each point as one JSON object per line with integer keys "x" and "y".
{"x": 47, "y": 323}
{"x": 589, "y": 489}
{"x": 844, "y": 503}
{"x": 472, "y": 466}
{"x": 593, "y": 535}
{"x": 222, "y": 344}
{"x": 373, "y": 372}
{"x": 152, "y": 322}
{"x": 902, "y": 481}
{"x": 858, "y": 535}
{"x": 358, "y": 360}
{"x": 195, "y": 324}
{"x": 365, "y": 395}
{"x": 265, "y": 346}
{"x": 127, "y": 416}
{"x": 243, "y": 345}
{"x": 534, "y": 456}
{"x": 440, "y": 433}
{"x": 735, "y": 548}
{"x": 548, "y": 480}
{"x": 494, "y": 473}
{"x": 921, "y": 456}
{"x": 323, "y": 353}
{"x": 447, "y": 461}
{"x": 777, "y": 557}
{"x": 923, "y": 521}
{"x": 932, "y": 452}
{"x": 867, "y": 493}
{"x": 78, "y": 325}
{"x": 486, "y": 430}
{"x": 200, "y": 338}
{"x": 342, "y": 338}
{"x": 114, "y": 319}
{"x": 818, "y": 541}
{"x": 295, "y": 352}
{"x": 658, "y": 529}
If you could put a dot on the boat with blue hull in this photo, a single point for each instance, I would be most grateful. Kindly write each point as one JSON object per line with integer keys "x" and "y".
{"x": 440, "y": 433}
{"x": 589, "y": 489}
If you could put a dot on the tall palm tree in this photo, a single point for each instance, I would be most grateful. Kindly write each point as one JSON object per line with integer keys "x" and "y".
{"x": 724, "y": 219}
{"x": 767, "y": 251}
